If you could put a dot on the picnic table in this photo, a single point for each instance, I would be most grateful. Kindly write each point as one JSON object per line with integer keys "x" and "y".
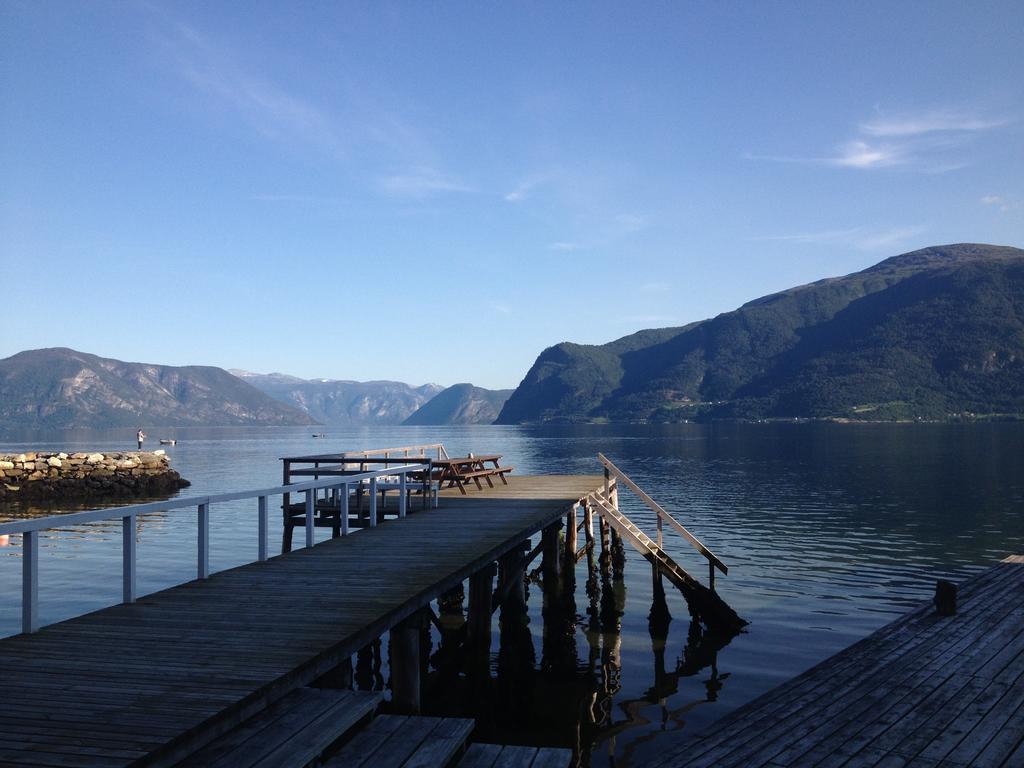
{"x": 459, "y": 471}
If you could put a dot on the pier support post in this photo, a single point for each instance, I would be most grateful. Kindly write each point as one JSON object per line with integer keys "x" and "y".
{"x": 570, "y": 536}
{"x": 512, "y": 587}
{"x": 405, "y": 663}
{"x": 481, "y": 590}
{"x": 606, "y": 555}
{"x": 551, "y": 562}
{"x": 618, "y": 555}
{"x": 478, "y": 642}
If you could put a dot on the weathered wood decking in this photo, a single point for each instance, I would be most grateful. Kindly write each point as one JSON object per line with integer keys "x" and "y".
{"x": 149, "y": 682}
{"x": 922, "y": 692}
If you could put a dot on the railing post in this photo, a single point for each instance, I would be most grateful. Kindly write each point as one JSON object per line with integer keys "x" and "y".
{"x": 344, "y": 509}
{"x": 711, "y": 575}
{"x": 402, "y": 483}
{"x": 203, "y": 565}
{"x": 373, "y": 502}
{"x": 263, "y": 534}
{"x": 310, "y": 513}
{"x": 30, "y": 582}
{"x": 128, "y": 525}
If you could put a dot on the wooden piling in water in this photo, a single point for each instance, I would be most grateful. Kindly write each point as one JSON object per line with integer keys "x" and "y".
{"x": 571, "y": 536}
{"x": 550, "y": 560}
{"x": 406, "y": 668}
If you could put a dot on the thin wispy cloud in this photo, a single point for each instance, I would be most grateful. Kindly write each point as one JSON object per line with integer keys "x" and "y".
{"x": 925, "y": 143}
{"x": 565, "y": 246}
{"x": 525, "y": 187}
{"x": 266, "y": 107}
{"x": 929, "y": 122}
{"x": 299, "y": 199}
{"x": 862, "y": 238}
{"x": 860, "y": 154}
{"x": 1001, "y": 204}
{"x": 421, "y": 182}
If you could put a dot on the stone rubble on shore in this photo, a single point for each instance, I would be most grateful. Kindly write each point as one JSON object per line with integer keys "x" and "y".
{"x": 51, "y": 475}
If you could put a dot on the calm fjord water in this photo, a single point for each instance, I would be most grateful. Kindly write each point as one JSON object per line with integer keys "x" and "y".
{"x": 829, "y": 531}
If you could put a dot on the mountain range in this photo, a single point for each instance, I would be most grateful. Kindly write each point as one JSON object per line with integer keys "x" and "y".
{"x": 345, "y": 403}
{"x": 928, "y": 334}
{"x": 60, "y": 388}
{"x": 934, "y": 334}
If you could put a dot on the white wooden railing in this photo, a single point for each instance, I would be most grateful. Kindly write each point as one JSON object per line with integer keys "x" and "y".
{"x": 31, "y": 529}
{"x": 713, "y": 560}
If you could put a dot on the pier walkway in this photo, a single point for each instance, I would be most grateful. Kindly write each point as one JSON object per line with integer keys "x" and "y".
{"x": 923, "y": 692}
{"x": 150, "y": 682}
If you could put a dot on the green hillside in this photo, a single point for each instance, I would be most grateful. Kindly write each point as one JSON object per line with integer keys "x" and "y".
{"x": 461, "y": 404}
{"x": 927, "y": 334}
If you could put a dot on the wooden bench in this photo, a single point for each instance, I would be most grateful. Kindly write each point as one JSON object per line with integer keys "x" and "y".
{"x": 459, "y": 478}
{"x": 394, "y": 741}
{"x": 290, "y": 733}
{"x": 488, "y": 755}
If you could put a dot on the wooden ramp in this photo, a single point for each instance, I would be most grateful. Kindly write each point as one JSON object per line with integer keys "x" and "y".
{"x": 149, "y": 683}
{"x": 703, "y": 602}
{"x": 923, "y": 692}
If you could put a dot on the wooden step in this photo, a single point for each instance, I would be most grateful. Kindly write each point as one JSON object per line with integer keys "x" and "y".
{"x": 290, "y": 733}
{"x": 396, "y": 741}
{"x": 701, "y": 600}
{"x": 490, "y": 755}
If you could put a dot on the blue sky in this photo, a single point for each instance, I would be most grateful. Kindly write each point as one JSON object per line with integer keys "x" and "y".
{"x": 438, "y": 191}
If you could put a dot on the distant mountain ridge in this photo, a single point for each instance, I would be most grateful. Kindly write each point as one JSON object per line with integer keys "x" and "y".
{"x": 344, "y": 403}
{"x": 461, "y": 404}
{"x": 925, "y": 334}
{"x": 60, "y": 388}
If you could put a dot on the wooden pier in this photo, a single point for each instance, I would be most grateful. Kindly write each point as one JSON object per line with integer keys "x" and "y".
{"x": 152, "y": 681}
{"x": 926, "y": 691}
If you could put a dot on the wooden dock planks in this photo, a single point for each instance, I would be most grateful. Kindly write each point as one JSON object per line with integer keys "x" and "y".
{"x": 151, "y": 682}
{"x": 925, "y": 690}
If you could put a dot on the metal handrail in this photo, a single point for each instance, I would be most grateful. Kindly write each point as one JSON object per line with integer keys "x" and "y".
{"x": 385, "y": 452}
{"x": 663, "y": 514}
{"x": 30, "y": 529}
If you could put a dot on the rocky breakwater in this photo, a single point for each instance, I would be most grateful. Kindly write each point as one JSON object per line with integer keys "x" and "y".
{"x": 35, "y": 475}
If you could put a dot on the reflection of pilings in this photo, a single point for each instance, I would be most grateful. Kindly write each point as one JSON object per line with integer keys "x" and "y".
{"x": 368, "y": 666}
{"x": 339, "y": 678}
{"x": 559, "y": 648}
{"x": 478, "y": 644}
{"x": 613, "y": 601}
{"x": 658, "y": 621}
{"x": 406, "y": 639}
{"x": 512, "y": 578}
{"x": 450, "y": 605}
{"x": 516, "y": 656}
{"x": 451, "y": 624}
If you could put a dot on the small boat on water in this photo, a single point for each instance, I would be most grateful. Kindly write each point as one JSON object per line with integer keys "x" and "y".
{"x": 319, "y": 434}
{"x": 168, "y": 442}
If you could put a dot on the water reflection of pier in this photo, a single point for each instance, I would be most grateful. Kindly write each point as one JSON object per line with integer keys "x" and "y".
{"x": 568, "y": 696}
